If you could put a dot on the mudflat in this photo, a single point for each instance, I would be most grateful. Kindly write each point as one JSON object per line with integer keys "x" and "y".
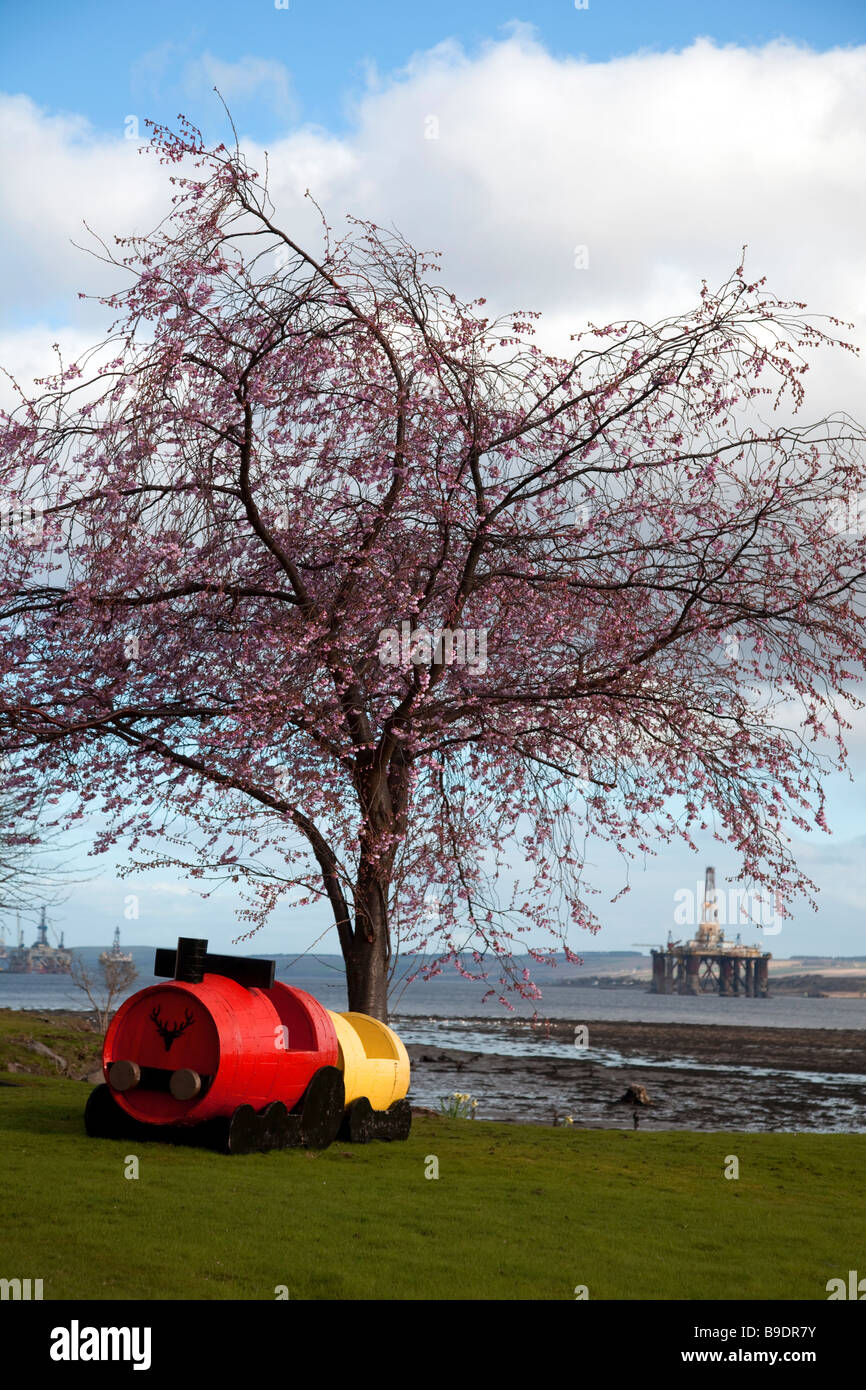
{"x": 703, "y": 1077}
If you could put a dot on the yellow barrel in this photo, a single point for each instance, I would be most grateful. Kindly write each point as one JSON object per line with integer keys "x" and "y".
{"x": 372, "y": 1059}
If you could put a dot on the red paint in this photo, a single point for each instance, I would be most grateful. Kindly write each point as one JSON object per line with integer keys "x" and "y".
{"x": 237, "y": 1037}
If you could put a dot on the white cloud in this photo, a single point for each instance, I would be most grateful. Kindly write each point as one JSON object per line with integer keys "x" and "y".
{"x": 242, "y": 81}
{"x": 174, "y": 890}
{"x": 59, "y": 173}
{"x": 28, "y": 353}
{"x": 661, "y": 164}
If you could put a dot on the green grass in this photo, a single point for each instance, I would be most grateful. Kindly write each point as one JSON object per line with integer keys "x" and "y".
{"x": 68, "y": 1034}
{"x": 517, "y": 1212}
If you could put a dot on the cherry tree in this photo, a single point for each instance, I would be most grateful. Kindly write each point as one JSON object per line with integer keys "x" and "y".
{"x": 34, "y": 868}
{"x": 345, "y": 591}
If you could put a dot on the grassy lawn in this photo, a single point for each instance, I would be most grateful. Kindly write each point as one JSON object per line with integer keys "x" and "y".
{"x": 516, "y": 1212}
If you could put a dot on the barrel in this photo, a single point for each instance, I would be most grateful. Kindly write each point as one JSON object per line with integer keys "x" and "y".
{"x": 372, "y": 1058}
{"x": 180, "y": 1053}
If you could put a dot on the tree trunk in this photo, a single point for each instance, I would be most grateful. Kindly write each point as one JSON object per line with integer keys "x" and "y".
{"x": 368, "y": 956}
{"x": 367, "y": 980}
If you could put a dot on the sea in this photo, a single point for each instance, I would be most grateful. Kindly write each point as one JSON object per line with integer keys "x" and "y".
{"x": 450, "y": 998}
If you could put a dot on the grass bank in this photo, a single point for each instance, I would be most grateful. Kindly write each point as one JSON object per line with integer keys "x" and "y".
{"x": 71, "y": 1036}
{"x": 516, "y": 1212}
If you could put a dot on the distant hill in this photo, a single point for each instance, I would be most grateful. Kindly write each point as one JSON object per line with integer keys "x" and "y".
{"x": 331, "y": 967}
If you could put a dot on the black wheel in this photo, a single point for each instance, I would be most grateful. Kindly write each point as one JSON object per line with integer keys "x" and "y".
{"x": 398, "y": 1120}
{"x": 277, "y": 1128}
{"x": 359, "y": 1126}
{"x": 271, "y": 1126}
{"x": 103, "y": 1117}
{"x": 243, "y": 1132}
{"x": 363, "y": 1124}
{"x": 322, "y": 1108}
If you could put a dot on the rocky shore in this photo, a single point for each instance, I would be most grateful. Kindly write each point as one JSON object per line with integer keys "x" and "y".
{"x": 702, "y": 1078}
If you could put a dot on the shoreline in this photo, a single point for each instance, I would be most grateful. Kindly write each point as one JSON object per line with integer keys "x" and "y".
{"x": 743, "y": 1077}
{"x": 762, "y": 1044}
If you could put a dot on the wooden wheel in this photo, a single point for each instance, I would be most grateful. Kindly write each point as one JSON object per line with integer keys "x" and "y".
{"x": 103, "y": 1117}
{"x": 277, "y": 1128}
{"x": 242, "y": 1135}
{"x": 322, "y": 1108}
{"x": 360, "y": 1121}
{"x": 398, "y": 1119}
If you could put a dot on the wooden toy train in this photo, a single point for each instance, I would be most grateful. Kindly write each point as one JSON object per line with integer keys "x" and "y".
{"x": 227, "y": 1057}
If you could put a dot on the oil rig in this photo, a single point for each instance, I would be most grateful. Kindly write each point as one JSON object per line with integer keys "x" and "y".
{"x": 115, "y": 956}
{"x": 39, "y": 959}
{"x": 708, "y": 964}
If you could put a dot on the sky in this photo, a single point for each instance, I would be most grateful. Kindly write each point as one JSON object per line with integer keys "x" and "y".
{"x": 655, "y": 139}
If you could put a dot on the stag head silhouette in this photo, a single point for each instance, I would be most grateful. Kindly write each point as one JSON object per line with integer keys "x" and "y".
{"x": 169, "y": 1031}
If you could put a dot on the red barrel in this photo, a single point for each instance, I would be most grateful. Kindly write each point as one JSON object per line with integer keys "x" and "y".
{"x": 184, "y": 1053}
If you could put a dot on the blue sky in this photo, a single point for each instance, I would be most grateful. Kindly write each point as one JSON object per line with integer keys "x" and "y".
{"x": 661, "y": 136}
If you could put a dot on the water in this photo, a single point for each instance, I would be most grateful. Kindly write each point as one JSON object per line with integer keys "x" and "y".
{"x": 448, "y": 998}
{"x": 584, "y": 1004}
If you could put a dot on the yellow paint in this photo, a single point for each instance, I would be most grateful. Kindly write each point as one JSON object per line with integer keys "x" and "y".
{"x": 372, "y": 1059}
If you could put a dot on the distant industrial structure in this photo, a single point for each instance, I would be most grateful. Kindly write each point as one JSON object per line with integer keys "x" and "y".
{"x": 39, "y": 959}
{"x": 115, "y": 956}
{"x": 708, "y": 964}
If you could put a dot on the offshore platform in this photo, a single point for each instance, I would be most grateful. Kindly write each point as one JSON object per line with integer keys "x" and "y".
{"x": 39, "y": 959}
{"x": 708, "y": 964}
{"x": 115, "y": 956}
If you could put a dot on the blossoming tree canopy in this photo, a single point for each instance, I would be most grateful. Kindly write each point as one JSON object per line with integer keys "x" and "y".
{"x": 244, "y": 542}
